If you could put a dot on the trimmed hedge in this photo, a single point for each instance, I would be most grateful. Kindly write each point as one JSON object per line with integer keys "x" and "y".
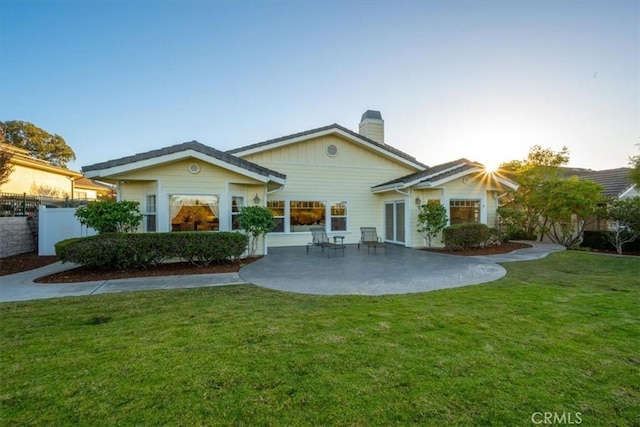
{"x": 140, "y": 250}
{"x": 466, "y": 236}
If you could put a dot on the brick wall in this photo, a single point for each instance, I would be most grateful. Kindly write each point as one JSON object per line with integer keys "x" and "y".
{"x": 15, "y": 236}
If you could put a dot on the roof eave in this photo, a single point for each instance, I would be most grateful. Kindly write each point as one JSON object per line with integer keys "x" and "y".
{"x": 156, "y": 161}
{"x": 328, "y": 130}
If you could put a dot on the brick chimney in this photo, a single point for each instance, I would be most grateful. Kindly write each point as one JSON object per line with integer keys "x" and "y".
{"x": 372, "y": 126}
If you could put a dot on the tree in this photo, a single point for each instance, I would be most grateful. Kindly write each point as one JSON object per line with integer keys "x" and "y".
{"x": 40, "y": 143}
{"x": 256, "y": 221}
{"x": 541, "y": 166}
{"x": 432, "y": 219}
{"x": 107, "y": 216}
{"x": 625, "y": 217}
{"x": 5, "y": 165}
{"x": 568, "y": 206}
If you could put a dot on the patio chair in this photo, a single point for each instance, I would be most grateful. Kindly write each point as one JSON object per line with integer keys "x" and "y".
{"x": 320, "y": 240}
{"x": 369, "y": 238}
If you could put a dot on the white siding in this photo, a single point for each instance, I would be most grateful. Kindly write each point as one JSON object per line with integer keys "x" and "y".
{"x": 315, "y": 176}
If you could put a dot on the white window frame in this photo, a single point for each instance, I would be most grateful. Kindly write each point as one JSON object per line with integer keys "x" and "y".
{"x": 284, "y": 215}
{"x": 150, "y": 212}
{"x": 478, "y": 204}
{"x": 286, "y": 218}
{"x": 233, "y": 214}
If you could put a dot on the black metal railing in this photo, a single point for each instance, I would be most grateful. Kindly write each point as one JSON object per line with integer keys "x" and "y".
{"x": 24, "y": 204}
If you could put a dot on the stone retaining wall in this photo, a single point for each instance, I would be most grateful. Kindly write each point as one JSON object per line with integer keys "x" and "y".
{"x": 15, "y": 236}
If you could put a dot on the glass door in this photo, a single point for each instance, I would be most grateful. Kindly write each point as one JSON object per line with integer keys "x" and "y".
{"x": 394, "y": 221}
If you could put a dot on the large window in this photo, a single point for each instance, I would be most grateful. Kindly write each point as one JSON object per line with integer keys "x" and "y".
{"x": 277, "y": 209}
{"x": 237, "y": 202}
{"x": 304, "y": 215}
{"x": 297, "y": 216}
{"x": 464, "y": 211}
{"x": 194, "y": 213}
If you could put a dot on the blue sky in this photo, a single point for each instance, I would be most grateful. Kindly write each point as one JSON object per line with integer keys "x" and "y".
{"x": 485, "y": 80}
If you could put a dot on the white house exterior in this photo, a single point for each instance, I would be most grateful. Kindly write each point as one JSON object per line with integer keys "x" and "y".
{"x": 330, "y": 177}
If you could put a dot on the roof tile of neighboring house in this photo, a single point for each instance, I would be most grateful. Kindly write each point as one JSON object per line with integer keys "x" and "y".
{"x": 191, "y": 145}
{"x": 385, "y": 147}
{"x": 435, "y": 173}
{"x": 614, "y": 181}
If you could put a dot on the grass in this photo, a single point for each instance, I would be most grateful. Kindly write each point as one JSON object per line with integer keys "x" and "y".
{"x": 557, "y": 335}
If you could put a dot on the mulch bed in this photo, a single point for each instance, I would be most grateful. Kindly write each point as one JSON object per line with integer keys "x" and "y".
{"x": 88, "y": 274}
{"x": 24, "y": 262}
{"x": 490, "y": 250}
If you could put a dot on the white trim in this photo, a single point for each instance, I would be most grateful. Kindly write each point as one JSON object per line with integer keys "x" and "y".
{"x": 420, "y": 184}
{"x": 627, "y": 191}
{"x": 181, "y": 155}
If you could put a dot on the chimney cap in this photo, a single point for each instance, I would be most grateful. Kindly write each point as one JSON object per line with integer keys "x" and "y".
{"x": 372, "y": 114}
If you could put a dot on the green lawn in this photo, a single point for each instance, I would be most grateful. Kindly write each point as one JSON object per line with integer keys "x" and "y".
{"x": 558, "y": 335}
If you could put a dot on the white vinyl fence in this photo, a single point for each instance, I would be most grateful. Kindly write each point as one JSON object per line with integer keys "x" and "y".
{"x": 56, "y": 224}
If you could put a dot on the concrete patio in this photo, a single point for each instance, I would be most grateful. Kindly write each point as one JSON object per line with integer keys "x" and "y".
{"x": 396, "y": 270}
{"x": 291, "y": 269}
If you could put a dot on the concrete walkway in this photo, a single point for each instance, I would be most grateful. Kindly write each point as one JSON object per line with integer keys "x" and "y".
{"x": 398, "y": 271}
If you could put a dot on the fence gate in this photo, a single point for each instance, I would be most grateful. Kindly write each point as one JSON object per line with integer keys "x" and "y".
{"x": 56, "y": 224}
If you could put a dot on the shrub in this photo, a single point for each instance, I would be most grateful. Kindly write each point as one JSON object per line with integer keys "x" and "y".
{"x": 432, "y": 219}
{"x": 465, "y": 236}
{"x": 108, "y": 216}
{"x": 496, "y": 237}
{"x": 121, "y": 250}
{"x": 256, "y": 221}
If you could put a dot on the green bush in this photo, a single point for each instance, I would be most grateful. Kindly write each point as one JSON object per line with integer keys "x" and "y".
{"x": 496, "y": 237}
{"x": 109, "y": 216}
{"x": 466, "y": 236}
{"x": 140, "y": 250}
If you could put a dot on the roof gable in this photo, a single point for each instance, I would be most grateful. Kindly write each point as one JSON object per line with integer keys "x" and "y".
{"x": 384, "y": 149}
{"x": 178, "y": 152}
{"x": 440, "y": 174}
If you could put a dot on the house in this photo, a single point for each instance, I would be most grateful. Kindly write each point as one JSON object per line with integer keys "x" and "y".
{"x": 87, "y": 189}
{"x": 330, "y": 176}
{"x": 616, "y": 184}
{"x": 37, "y": 177}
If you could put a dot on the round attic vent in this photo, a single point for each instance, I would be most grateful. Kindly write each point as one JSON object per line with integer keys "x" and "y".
{"x": 332, "y": 150}
{"x": 194, "y": 168}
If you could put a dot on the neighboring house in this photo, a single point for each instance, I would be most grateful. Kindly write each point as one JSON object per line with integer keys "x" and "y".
{"x": 617, "y": 185}
{"x": 37, "y": 177}
{"x": 87, "y": 189}
{"x": 330, "y": 177}
{"x": 616, "y": 182}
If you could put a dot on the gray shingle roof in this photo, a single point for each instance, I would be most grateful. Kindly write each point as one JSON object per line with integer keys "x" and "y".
{"x": 614, "y": 181}
{"x": 435, "y": 173}
{"x": 385, "y": 147}
{"x": 191, "y": 145}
